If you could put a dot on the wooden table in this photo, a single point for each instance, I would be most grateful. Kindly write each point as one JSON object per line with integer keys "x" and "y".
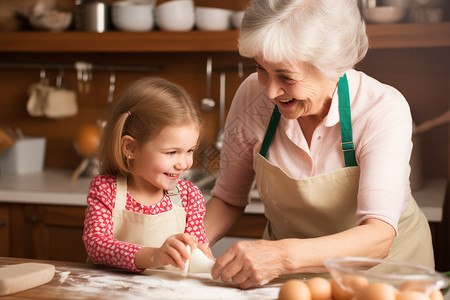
{"x": 82, "y": 281}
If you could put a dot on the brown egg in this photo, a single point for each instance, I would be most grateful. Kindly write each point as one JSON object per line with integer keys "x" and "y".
{"x": 320, "y": 288}
{"x": 355, "y": 282}
{"x": 87, "y": 140}
{"x": 412, "y": 295}
{"x": 436, "y": 295}
{"x": 294, "y": 289}
{"x": 338, "y": 293}
{"x": 377, "y": 291}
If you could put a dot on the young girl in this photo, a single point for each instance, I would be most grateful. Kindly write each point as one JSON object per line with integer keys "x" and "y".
{"x": 140, "y": 214}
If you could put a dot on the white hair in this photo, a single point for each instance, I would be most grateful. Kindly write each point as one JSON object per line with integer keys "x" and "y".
{"x": 330, "y": 35}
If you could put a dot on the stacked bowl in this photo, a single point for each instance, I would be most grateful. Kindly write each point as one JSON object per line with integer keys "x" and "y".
{"x": 133, "y": 15}
{"x": 175, "y": 15}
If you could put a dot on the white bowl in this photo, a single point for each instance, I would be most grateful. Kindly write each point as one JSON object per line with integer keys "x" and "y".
{"x": 236, "y": 18}
{"x": 131, "y": 16}
{"x": 213, "y": 19}
{"x": 52, "y": 20}
{"x": 175, "y": 15}
{"x": 384, "y": 14}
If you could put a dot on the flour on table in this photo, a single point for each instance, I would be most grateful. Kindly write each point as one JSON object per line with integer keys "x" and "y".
{"x": 154, "y": 284}
{"x": 63, "y": 276}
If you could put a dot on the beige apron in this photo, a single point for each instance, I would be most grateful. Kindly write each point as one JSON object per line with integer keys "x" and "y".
{"x": 326, "y": 204}
{"x": 146, "y": 230}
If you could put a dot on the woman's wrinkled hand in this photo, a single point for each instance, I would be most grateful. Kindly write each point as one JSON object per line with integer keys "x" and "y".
{"x": 249, "y": 263}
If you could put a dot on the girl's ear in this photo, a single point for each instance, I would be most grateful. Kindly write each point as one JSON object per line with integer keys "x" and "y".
{"x": 128, "y": 146}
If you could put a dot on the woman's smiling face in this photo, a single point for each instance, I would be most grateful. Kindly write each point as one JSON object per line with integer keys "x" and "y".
{"x": 298, "y": 90}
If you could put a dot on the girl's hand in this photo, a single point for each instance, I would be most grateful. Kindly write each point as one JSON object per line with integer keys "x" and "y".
{"x": 249, "y": 263}
{"x": 174, "y": 251}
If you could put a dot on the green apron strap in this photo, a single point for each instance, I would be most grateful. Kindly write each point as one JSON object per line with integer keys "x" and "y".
{"x": 270, "y": 133}
{"x": 348, "y": 147}
{"x": 346, "y": 123}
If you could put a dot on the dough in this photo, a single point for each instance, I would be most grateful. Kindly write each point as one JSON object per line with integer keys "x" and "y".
{"x": 200, "y": 263}
{"x": 19, "y": 277}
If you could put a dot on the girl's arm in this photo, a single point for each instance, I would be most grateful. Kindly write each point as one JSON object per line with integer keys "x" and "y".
{"x": 98, "y": 237}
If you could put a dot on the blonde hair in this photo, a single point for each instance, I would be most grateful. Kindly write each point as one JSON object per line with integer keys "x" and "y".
{"x": 142, "y": 111}
{"x": 330, "y": 35}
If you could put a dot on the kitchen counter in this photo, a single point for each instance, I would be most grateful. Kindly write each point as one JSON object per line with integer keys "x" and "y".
{"x": 55, "y": 187}
{"x": 48, "y": 187}
{"x": 82, "y": 281}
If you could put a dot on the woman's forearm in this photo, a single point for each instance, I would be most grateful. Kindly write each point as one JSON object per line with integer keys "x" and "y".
{"x": 372, "y": 239}
{"x": 219, "y": 218}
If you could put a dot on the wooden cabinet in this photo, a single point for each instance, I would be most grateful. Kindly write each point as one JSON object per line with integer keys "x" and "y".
{"x": 42, "y": 232}
{"x": 55, "y": 232}
{"x": 4, "y": 231}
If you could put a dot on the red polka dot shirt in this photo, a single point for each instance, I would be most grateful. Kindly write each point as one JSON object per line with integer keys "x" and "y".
{"x": 98, "y": 237}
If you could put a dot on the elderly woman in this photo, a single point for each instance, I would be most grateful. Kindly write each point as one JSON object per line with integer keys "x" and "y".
{"x": 328, "y": 147}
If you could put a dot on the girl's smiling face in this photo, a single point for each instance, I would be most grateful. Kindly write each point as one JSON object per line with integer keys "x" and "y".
{"x": 158, "y": 164}
{"x": 298, "y": 90}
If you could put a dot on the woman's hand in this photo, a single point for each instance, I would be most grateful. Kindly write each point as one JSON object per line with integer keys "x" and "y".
{"x": 173, "y": 252}
{"x": 249, "y": 263}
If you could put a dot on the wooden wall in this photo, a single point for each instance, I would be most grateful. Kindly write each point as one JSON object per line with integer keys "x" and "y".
{"x": 187, "y": 69}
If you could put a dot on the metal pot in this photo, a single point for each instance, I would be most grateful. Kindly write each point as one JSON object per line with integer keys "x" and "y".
{"x": 91, "y": 15}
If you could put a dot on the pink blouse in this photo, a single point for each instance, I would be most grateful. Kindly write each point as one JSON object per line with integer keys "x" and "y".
{"x": 98, "y": 237}
{"x": 382, "y": 128}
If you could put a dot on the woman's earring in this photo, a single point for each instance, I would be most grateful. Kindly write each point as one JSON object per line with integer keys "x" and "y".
{"x": 129, "y": 157}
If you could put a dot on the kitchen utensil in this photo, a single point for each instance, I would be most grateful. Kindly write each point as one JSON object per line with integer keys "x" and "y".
{"x": 87, "y": 140}
{"x": 51, "y": 20}
{"x": 86, "y": 143}
{"x": 212, "y": 18}
{"x": 207, "y": 103}
{"x": 19, "y": 277}
{"x": 38, "y": 93}
{"x": 236, "y": 18}
{"x": 60, "y": 102}
{"x": 112, "y": 87}
{"x": 219, "y": 140}
{"x": 84, "y": 76}
{"x": 26, "y": 156}
{"x": 91, "y": 15}
{"x": 384, "y": 14}
{"x": 175, "y": 15}
{"x": 348, "y": 270}
{"x": 132, "y": 16}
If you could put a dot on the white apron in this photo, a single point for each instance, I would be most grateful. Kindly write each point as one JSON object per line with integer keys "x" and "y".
{"x": 146, "y": 230}
{"x": 326, "y": 204}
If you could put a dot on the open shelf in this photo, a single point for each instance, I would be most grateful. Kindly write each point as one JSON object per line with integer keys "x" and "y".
{"x": 380, "y": 36}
